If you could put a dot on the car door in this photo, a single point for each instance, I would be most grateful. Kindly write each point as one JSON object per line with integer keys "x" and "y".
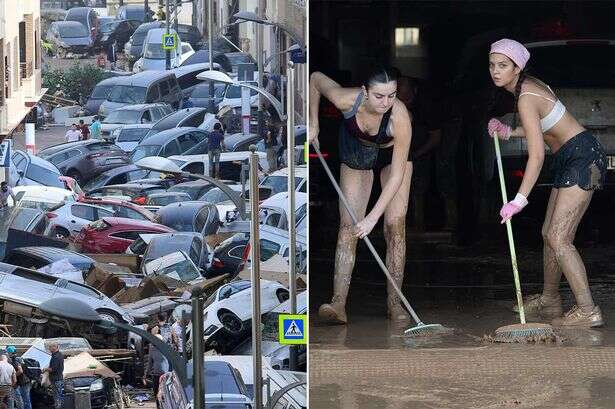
{"x": 83, "y": 214}
{"x": 170, "y": 149}
{"x": 185, "y": 142}
{"x": 153, "y": 94}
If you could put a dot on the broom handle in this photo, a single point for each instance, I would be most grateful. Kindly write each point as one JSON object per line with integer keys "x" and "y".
{"x": 371, "y": 248}
{"x": 511, "y": 242}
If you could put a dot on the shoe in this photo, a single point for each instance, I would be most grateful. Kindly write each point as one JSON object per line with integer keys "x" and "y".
{"x": 333, "y": 314}
{"x": 538, "y": 305}
{"x": 577, "y": 318}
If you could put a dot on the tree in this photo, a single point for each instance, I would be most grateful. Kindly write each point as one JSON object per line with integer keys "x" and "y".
{"x": 78, "y": 81}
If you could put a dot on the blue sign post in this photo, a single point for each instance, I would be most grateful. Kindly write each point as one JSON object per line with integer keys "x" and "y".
{"x": 169, "y": 41}
{"x": 292, "y": 329}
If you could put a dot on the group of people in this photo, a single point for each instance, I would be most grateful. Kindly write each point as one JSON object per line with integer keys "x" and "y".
{"x": 16, "y": 378}
{"x": 82, "y": 131}
{"x": 375, "y": 141}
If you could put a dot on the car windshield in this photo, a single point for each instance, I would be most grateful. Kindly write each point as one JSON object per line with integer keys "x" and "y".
{"x": 584, "y": 67}
{"x": 109, "y": 26}
{"x": 101, "y": 92}
{"x": 44, "y": 176}
{"x": 132, "y": 134}
{"x": 73, "y": 31}
{"x": 202, "y": 91}
{"x": 128, "y": 94}
{"x": 37, "y": 204}
{"x": 215, "y": 196}
{"x": 122, "y": 117}
{"x": 234, "y": 91}
{"x": 278, "y": 183}
{"x": 143, "y": 151}
{"x": 175, "y": 265}
{"x": 67, "y": 344}
{"x": 167, "y": 199}
{"x": 154, "y": 51}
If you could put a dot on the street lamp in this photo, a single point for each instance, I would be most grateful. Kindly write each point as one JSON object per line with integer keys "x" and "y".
{"x": 74, "y": 309}
{"x": 219, "y": 76}
{"x": 164, "y": 165}
{"x": 254, "y": 18}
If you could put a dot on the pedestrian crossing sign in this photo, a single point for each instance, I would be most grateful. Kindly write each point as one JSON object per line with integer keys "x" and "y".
{"x": 169, "y": 41}
{"x": 293, "y": 329}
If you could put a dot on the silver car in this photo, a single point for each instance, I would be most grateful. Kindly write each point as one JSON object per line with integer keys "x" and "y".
{"x": 31, "y": 288}
{"x": 68, "y": 220}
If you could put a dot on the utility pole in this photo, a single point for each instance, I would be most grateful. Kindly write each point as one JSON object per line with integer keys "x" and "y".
{"x": 176, "y": 22}
{"x": 210, "y": 40}
{"x": 197, "y": 352}
{"x": 256, "y": 282}
{"x": 292, "y": 230}
{"x": 146, "y": 10}
{"x": 167, "y": 52}
{"x": 259, "y": 62}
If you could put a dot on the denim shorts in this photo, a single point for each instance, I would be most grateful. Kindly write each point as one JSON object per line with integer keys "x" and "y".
{"x": 362, "y": 156}
{"x": 580, "y": 161}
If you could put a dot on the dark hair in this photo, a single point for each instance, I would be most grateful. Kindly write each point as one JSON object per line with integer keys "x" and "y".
{"x": 522, "y": 76}
{"x": 380, "y": 75}
{"x": 162, "y": 317}
{"x": 217, "y": 126}
{"x": 81, "y": 121}
{"x": 3, "y": 183}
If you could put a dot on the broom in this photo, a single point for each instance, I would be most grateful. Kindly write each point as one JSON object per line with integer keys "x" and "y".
{"x": 420, "y": 329}
{"x": 522, "y": 332}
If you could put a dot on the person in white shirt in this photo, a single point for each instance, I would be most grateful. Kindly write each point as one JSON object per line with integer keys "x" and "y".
{"x": 73, "y": 134}
{"x": 5, "y": 192}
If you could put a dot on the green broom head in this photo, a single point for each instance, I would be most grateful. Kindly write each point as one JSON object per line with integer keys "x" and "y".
{"x": 425, "y": 330}
{"x": 524, "y": 333}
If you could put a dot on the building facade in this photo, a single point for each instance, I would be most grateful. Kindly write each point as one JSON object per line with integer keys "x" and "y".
{"x": 20, "y": 61}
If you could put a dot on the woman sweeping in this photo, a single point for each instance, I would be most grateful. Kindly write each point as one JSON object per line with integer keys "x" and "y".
{"x": 374, "y": 139}
{"x": 579, "y": 165}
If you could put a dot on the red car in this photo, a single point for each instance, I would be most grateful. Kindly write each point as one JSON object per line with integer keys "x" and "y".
{"x": 121, "y": 208}
{"x": 114, "y": 234}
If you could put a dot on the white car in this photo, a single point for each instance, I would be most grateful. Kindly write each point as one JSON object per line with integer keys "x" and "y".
{"x": 68, "y": 220}
{"x": 230, "y": 164}
{"x": 278, "y": 180}
{"x": 228, "y": 309}
{"x": 274, "y": 211}
{"x": 42, "y": 197}
{"x": 154, "y": 56}
{"x": 232, "y": 96}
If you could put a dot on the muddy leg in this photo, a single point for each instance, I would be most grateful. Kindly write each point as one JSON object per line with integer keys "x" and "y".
{"x": 571, "y": 204}
{"x": 552, "y": 272}
{"x": 356, "y": 186}
{"x": 395, "y": 236}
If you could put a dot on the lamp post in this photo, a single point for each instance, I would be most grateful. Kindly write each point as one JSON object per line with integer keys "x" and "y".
{"x": 164, "y": 165}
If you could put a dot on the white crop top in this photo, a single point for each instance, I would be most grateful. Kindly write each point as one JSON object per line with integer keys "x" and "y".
{"x": 553, "y": 117}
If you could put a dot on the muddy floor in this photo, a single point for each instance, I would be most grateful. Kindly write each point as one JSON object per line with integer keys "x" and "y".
{"x": 370, "y": 364}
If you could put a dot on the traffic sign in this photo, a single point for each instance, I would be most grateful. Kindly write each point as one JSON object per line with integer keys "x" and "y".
{"x": 169, "y": 41}
{"x": 5, "y": 153}
{"x": 292, "y": 329}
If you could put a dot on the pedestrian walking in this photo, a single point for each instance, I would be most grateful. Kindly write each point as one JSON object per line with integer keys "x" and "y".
{"x": 56, "y": 374}
{"x": 374, "y": 141}
{"x": 96, "y": 128}
{"x": 85, "y": 131}
{"x": 5, "y": 192}
{"x": 155, "y": 366}
{"x": 73, "y": 134}
{"x": 271, "y": 143}
{"x": 215, "y": 147}
{"x": 579, "y": 168}
{"x": 163, "y": 327}
{"x": 176, "y": 333}
{"x": 8, "y": 379}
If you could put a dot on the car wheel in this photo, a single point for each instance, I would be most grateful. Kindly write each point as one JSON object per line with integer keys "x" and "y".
{"x": 109, "y": 316}
{"x": 283, "y": 295}
{"x": 61, "y": 233}
{"x": 231, "y": 322}
{"x": 75, "y": 175}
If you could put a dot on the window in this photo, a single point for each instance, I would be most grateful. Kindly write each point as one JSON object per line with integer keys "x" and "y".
{"x": 195, "y": 120}
{"x": 303, "y": 188}
{"x": 44, "y": 176}
{"x": 83, "y": 212}
{"x": 128, "y": 235}
{"x": 188, "y": 80}
{"x": 196, "y": 167}
{"x": 146, "y": 118}
{"x": 81, "y": 289}
{"x": 185, "y": 142}
{"x": 100, "y": 213}
{"x": 23, "y": 260}
{"x": 406, "y": 36}
{"x": 268, "y": 249}
{"x": 59, "y": 158}
{"x": 201, "y": 219}
{"x": 237, "y": 251}
{"x": 171, "y": 149}
{"x": 164, "y": 88}
{"x": 118, "y": 180}
{"x": 121, "y": 211}
{"x": 75, "y": 152}
{"x": 20, "y": 161}
{"x": 273, "y": 220}
{"x": 195, "y": 250}
{"x": 153, "y": 94}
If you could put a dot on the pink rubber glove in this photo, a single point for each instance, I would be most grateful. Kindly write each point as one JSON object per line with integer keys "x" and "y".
{"x": 513, "y": 207}
{"x": 502, "y": 130}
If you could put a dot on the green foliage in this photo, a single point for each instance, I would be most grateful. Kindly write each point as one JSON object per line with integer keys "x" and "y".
{"x": 77, "y": 80}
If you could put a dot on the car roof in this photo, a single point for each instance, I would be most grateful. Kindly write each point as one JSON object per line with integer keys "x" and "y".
{"x": 176, "y": 117}
{"x": 139, "y": 107}
{"x": 115, "y": 221}
{"x": 189, "y": 209}
{"x": 187, "y": 69}
{"x": 171, "y": 193}
{"x": 119, "y": 170}
{"x": 149, "y": 26}
{"x": 67, "y": 23}
{"x": 109, "y": 81}
{"x": 134, "y": 126}
{"x": 39, "y": 190}
{"x": 54, "y": 253}
{"x": 79, "y": 10}
{"x": 35, "y": 160}
{"x": 300, "y": 171}
{"x": 280, "y": 200}
{"x": 167, "y": 135}
{"x": 143, "y": 78}
{"x": 135, "y": 186}
{"x": 173, "y": 240}
{"x": 235, "y": 138}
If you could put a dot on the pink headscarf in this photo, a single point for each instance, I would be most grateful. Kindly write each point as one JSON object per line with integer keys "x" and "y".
{"x": 513, "y": 50}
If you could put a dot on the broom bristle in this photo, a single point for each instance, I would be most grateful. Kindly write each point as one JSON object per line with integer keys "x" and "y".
{"x": 524, "y": 333}
{"x": 424, "y": 330}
